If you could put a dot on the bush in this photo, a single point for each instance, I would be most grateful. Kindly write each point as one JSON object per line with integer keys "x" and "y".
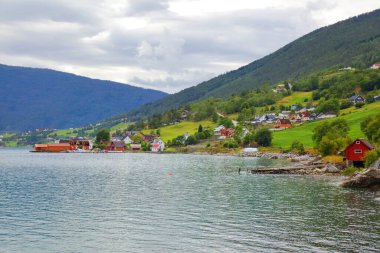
{"x": 230, "y": 144}
{"x": 264, "y": 137}
{"x": 297, "y": 147}
{"x": 346, "y": 104}
{"x": 350, "y": 171}
{"x": 371, "y": 157}
{"x": 359, "y": 105}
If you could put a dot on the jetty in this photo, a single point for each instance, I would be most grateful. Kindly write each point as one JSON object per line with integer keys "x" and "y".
{"x": 298, "y": 169}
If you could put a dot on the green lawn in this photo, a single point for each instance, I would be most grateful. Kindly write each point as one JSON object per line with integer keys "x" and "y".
{"x": 172, "y": 131}
{"x": 296, "y": 97}
{"x": 120, "y": 126}
{"x": 304, "y": 133}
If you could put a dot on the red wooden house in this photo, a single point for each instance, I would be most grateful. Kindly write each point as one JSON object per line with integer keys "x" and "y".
{"x": 283, "y": 123}
{"x": 227, "y": 132}
{"x": 149, "y": 137}
{"x": 355, "y": 152}
{"x": 116, "y": 146}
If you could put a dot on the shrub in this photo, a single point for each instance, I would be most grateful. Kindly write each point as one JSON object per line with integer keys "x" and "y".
{"x": 264, "y": 137}
{"x": 371, "y": 157}
{"x": 345, "y": 104}
{"x": 351, "y": 170}
{"x": 359, "y": 105}
{"x": 297, "y": 147}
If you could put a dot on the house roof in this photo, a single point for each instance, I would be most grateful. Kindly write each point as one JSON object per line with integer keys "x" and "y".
{"x": 365, "y": 142}
{"x": 354, "y": 97}
{"x": 40, "y": 145}
{"x": 156, "y": 145}
{"x": 58, "y": 145}
{"x": 285, "y": 121}
{"x": 118, "y": 144}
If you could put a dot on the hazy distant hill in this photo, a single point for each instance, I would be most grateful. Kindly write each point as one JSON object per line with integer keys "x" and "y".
{"x": 40, "y": 98}
{"x": 353, "y": 42}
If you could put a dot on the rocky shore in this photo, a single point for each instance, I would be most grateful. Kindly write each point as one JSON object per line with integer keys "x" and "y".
{"x": 368, "y": 179}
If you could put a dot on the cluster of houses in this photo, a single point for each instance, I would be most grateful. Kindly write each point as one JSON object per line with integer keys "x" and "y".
{"x": 285, "y": 119}
{"x": 116, "y": 144}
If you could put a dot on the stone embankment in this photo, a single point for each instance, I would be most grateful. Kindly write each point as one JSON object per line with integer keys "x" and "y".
{"x": 368, "y": 179}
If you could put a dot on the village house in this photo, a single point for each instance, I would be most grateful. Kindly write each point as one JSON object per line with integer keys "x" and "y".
{"x": 158, "y": 145}
{"x": 149, "y": 137}
{"x": 226, "y": 133}
{"x": 376, "y": 98}
{"x": 53, "y": 147}
{"x": 326, "y": 115}
{"x": 356, "y": 99}
{"x": 127, "y": 140}
{"x": 78, "y": 143}
{"x": 375, "y": 66}
{"x": 218, "y": 129}
{"x": 135, "y": 147}
{"x": 264, "y": 119}
{"x": 283, "y": 123}
{"x": 116, "y": 146}
{"x": 355, "y": 152}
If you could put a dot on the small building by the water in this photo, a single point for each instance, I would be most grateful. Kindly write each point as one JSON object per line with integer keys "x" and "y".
{"x": 52, "y": 147}
{"x": 355, "y": 152}
{"x": 116, "y": 146}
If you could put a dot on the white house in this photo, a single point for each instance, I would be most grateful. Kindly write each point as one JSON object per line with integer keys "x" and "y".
{"x": 375, "y": 66}
{"x": 158, "y": 145}
{"x": 127, "y": 140}
{"x": 218, "y": 129}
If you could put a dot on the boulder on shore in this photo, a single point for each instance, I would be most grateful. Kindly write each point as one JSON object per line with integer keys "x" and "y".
{"x": 370, "y": 178}
{"x": 331, "y": 169}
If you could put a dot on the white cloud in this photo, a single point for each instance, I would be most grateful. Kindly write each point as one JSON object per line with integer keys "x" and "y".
{"x": 162, "y": 44}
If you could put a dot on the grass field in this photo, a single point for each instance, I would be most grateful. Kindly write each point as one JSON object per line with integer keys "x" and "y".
{"x": 120, "y": 126}
{"x": 304, "y": 133}
{"x": 172, "y": 131}
{"x": 295, "y": 98}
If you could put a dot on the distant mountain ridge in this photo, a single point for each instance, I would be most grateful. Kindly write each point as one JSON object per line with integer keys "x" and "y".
{"x": 41, "y": 98}
{"x": 352, "y": 42}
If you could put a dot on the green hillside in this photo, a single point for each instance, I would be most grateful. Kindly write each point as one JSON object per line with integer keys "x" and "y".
{"x": 304, "y": 133}
{"x": 354, "y": 42}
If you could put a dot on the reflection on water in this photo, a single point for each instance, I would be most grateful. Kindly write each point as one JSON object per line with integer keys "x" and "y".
{"x": 184, "y": 203}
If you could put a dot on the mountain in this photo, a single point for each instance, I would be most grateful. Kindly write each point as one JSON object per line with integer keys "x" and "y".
{"x": 354, "y": 42}
{"x": 41, "y": 98}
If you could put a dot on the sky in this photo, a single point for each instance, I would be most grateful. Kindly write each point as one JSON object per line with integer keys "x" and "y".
{"x": 166, "y": 45}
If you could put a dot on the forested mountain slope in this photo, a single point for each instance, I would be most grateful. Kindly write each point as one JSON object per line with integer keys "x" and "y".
{"x": 354, "y": 42}
{"x": 40, "y": 98}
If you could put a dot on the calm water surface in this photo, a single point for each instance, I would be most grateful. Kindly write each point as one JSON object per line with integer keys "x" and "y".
{"x": 169, "y": 203}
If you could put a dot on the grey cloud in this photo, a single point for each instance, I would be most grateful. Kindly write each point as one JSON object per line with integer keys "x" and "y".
{"x": 179, "y": 51}
{"x": 136, "y": 7}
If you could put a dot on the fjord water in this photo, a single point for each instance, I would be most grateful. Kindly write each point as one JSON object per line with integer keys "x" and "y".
{"x": 169, "y": 203}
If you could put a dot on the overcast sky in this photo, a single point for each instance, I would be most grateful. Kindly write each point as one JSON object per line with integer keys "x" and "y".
{"x": 161, "y": 44}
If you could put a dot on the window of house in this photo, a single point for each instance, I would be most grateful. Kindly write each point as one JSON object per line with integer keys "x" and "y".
{"x": 357, "y": 151}
{"x": 357, "y": 142}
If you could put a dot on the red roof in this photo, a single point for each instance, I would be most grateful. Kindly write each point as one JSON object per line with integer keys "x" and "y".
{"x": 365, "y": 142}
{"x": 58, "y": 145}
{"x": 155, "y": 145}
{"x": 40, "y": 145}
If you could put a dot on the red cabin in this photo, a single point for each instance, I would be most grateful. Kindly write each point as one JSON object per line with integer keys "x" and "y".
{"x": 283, "y": 123}
{"x": 355, "y": 152}
{"x": 116, "y": 146}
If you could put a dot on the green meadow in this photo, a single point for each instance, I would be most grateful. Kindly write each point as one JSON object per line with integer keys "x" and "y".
{"x": 304, "y": 132}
